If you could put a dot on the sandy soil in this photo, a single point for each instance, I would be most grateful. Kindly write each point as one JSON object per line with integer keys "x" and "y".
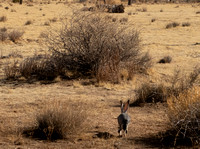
{"x": 20, "y": 102}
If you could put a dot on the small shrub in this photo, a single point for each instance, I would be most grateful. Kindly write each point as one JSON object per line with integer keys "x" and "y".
{"x": 41, "y": 67}
{"x": 58, "y": 123}
{"x": 184, "y": 116}
{"x": 123, "y": 20}
{"x": 15, "y": 35}
{"x": 114, "y": 19}
{"x": 153, "y": 20}
{"x": 166, "y": 59}
{"x": 170, "y": 25}
{"x": 185, "y": 24}
{"x": 161, "y": 10}
{"x": 3, "y": 19}
{"x": 148, "y": 93}
{"x": 130, "y": 13}
{"x": 3, "y": 29}
{"x": 11, "y": 71}
{"x": 28, "y": 22}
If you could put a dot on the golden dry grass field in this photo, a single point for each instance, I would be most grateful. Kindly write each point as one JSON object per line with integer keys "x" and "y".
{"x": 21, "y": 102}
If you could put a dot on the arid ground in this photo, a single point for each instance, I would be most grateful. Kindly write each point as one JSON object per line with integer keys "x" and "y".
{"x": 20, "y": 102}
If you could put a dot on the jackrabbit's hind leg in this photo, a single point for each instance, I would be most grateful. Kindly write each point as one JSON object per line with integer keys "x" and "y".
{"x": 120, "y": 130}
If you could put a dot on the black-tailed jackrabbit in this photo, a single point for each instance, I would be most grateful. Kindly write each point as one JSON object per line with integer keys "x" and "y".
{"x": 123, "y": 118}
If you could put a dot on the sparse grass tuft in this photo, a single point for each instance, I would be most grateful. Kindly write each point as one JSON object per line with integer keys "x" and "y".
{"x": 11, "y": 71}
{"x": 47, "y": 23}
{"x": 123, "y": 20}
{"x": 144, "y": 9}
{"x": 185, "y": 24}
{"x": 171, "y": 25}
{"x": 198, "y": 12}
{"x": 130, "y": 13}
{"x": 153, "y": 20}
{"x": 58, "y": 122}
{"x": 28, "y": 22}
{"x": 3, "y": 35}
{"x": 15, "y": 35}
{"x": 54, "y": 19}
{"x": 3, "y": 19}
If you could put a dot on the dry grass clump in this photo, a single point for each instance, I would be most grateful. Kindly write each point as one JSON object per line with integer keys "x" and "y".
{"x": 58, "y": 122}
{"x": 172, "y": 25}
{"x": 15, "y": 35}
{"x": 150, "y": 93}
{"x": 184, "y": 115}
{"x": 185, "y": 24}
{"x": 93, "y": 47}
{"x": 40, "y": 67}
{"x": 3, "y": 19}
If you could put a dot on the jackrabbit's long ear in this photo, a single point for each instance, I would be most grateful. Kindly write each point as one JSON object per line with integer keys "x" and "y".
{"x": 126, "y": 106}
{"x": 122, "y": 106}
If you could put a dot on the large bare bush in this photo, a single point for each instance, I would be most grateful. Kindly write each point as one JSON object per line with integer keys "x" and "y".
{"x": 93, "y": 46}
